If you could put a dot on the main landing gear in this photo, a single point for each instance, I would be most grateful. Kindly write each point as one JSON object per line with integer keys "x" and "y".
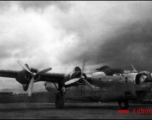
{"x": 60, "y": 96}
{"x": 59, "y": 100}
{"x": 123, "y": 104}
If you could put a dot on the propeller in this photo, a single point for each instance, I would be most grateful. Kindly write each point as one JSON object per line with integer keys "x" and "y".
{"x": 134, "y": 70}
{"x": 24, "y": 66}
{"x": 81, "y": 78}
{"x": 72, "y": 81}
{"x": 31, "y": 84}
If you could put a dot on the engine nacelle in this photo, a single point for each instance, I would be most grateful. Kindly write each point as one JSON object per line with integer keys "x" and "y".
{"x": 75, "y": 74}
{"x": 50, "y": 87}
{"x": 24, "y": 77}
{"x": 25, "y": 87}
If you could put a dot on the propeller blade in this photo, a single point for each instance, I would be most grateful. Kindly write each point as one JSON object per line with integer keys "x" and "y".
{"x": 30, "y": 89}
{"x": 133, "y": 68}
{"x": 88, "y": 84}
{"x": 24, "y": 67}
{"x": 44, "y": 71}
{"x": 83, "y": 66}
{"x": 72, "y": 81}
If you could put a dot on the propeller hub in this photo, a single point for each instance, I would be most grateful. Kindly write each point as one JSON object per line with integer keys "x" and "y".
{"x": 34, "y": 74}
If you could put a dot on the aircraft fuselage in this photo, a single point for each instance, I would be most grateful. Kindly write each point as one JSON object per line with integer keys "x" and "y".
{"x": 109, "y": 88}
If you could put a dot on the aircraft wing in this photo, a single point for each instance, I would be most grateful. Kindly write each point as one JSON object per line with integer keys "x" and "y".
{"x": 8, "y": 73}
{"x": 49, "y": 77}
{"x": 52, "y": 77}
{"x": 28, "y": 76}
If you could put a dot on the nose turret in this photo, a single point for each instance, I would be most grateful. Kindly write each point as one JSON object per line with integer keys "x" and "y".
{"x": 143, "y": 77}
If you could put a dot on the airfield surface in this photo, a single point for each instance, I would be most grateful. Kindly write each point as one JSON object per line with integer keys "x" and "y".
{"x": 70, "y": 111}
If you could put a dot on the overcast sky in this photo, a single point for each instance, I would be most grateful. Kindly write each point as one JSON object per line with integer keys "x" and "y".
{"x": 60, "y": 34}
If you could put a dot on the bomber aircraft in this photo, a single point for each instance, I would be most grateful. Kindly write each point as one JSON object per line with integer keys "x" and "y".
{"x": 99, "y": 86}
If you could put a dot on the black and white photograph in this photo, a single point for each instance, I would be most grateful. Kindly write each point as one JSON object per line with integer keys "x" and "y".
{"x": 75, "y": 60}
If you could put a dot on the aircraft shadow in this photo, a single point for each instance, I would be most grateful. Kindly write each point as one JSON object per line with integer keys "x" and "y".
{"x": 69, "y": 106}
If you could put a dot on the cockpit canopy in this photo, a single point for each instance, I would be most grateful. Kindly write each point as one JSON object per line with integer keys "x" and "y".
{"x": 142, "y": 77}
{"x": 110, "y": 71}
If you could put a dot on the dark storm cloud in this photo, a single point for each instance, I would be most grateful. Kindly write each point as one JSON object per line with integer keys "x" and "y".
{"x": 126, "y": 39}
{"x": 63, "y": 5}
{"x": 131, "y": 44}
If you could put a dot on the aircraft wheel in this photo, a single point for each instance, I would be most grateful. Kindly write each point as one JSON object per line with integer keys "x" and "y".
{"x": 123, "y": 104}
{"x": 59, "y": 101}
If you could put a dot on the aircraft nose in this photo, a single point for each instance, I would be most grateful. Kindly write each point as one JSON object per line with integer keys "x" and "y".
{"x": 149, "y": 78}
{"x": 151, "y": 75}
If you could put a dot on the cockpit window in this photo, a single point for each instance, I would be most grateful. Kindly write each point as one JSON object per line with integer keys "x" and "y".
{"x": 141, "y": 78}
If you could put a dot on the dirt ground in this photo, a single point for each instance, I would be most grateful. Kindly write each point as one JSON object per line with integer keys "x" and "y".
{"x": 71, "y": 111}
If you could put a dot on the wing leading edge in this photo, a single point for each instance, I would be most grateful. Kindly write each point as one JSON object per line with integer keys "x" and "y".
{"x": 49, "y": 77}
{"x": 52, "y": 77}
{"x": 8, "y": 73}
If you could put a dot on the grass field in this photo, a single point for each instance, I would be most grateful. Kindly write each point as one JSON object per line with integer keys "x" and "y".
{"x": 70, "y": 111}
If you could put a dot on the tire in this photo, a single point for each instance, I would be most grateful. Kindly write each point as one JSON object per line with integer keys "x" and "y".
{"x": 123, "y": 104}
{"x": 59, "y": 101}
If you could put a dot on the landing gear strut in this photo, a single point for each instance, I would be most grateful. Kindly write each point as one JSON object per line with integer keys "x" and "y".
{"x": 123, "y": 104}
{"x": 59, "y": 100}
